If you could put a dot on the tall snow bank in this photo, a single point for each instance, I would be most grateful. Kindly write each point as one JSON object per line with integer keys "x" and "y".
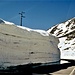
{"x": 20, "y": 45}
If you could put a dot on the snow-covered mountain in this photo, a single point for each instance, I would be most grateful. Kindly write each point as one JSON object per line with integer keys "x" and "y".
{"x": 5, "y": 22}
{"x": 66, "y": 33}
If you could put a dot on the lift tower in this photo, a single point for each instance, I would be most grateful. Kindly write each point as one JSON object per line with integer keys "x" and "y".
{"x": 21, "y": 16}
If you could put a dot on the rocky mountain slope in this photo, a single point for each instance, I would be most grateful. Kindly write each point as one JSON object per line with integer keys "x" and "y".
{"x": 66, "y": 33}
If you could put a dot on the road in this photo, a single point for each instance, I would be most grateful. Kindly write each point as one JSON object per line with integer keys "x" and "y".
{"x": 67, "y": 71}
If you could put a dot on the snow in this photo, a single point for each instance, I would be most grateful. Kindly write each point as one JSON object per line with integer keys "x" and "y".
{"x": 22, "y": 45}
{"x": 62, "y": 43}
{"x": 67, "y": 47}
{"x": 63, "y": 61}
{"x": 65, "y": 28}
{"x": 6, "y": 22}
{"x": 42, "y": 32}
{"x": 61, "y": 26}
{"x": 22, "y": 27}
{"x": 10, "y": 23}
{"x": 69, "y": 53}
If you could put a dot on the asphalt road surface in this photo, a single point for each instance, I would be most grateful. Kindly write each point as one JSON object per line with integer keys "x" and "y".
{"x": 67, "y": 71}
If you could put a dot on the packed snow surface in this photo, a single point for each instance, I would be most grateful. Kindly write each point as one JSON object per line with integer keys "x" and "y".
{"x": 42, "y": 32}
{"x": 21, "y": 45}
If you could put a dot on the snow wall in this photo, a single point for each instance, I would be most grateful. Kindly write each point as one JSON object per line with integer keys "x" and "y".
{"x": 20, "y": 45}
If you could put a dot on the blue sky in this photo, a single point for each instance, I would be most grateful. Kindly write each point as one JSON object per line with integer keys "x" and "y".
{"x": 39, "y": 14}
